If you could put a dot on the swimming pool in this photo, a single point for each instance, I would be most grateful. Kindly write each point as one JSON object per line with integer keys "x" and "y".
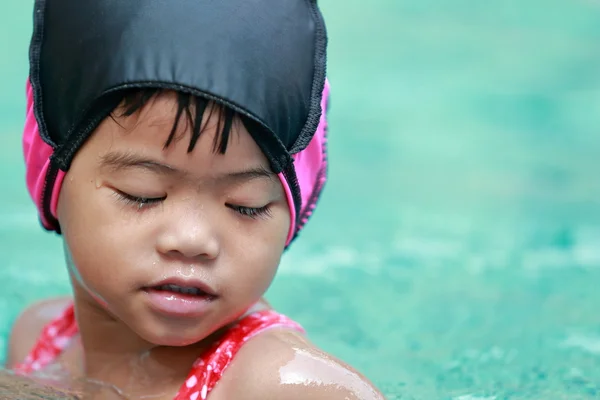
{"x": 456, "y": 251}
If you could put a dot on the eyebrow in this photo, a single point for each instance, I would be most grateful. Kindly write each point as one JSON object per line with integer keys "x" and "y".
{"x": 115, "y": 161}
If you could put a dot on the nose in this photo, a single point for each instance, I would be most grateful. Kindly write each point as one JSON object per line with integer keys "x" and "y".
{"x": 191, "y": 236}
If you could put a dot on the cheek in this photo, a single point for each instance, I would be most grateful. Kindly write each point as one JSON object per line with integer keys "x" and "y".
{"x": 283, "y": 223}
{"x": 94, "y": 237}
{"x": 257, "y": 260}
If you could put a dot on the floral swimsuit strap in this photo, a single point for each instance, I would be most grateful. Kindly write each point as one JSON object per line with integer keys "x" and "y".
{"x": 209, "y": 368}
{"x": 55, "y": 337}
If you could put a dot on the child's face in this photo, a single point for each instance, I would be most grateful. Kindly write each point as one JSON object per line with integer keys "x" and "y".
{"x": 195, "y": 230}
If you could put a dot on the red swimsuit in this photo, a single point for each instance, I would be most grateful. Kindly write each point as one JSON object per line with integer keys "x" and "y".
{"x": 206, "y": 371}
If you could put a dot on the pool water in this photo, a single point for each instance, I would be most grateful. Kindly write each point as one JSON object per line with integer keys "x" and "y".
{"x": 456, "y": 251}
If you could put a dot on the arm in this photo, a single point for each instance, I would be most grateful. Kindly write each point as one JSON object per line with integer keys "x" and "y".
{"x": 322, "y": 392}
{"x": 278, "y": 365}
{"x": 28, "y": 327}
{"x": 321, "y": 379}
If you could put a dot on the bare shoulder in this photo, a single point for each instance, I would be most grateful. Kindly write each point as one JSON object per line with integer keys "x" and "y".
{"x": 29, "y": 325}
{"x": 281, "y": 364}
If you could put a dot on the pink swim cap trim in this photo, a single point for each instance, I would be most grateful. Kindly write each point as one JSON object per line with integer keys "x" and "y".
{"x": 310, "y": 165}
{"x": 37, "y": 160}
{"x": 290, "y": 201}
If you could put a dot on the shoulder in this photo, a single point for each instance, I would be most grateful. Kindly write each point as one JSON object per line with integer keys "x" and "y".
{"x": 28, "y": 326}
{"x": 281, "y": 364}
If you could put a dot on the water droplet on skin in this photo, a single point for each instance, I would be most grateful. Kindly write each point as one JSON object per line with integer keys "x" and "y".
{"x": 308, "y": 369}
{"x": 187, "y": 273}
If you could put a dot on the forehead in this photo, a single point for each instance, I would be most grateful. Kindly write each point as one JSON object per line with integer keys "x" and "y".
{"x": 147, "y": 132}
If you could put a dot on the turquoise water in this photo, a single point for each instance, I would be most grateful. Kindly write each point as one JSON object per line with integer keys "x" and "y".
{"x": 456, "y": 251}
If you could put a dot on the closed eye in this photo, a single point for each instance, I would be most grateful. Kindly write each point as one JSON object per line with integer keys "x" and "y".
{"x": 251, "y": 212}
{"x": 138, "y": 201}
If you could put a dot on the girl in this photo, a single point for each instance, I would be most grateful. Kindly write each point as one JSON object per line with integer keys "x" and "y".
{"x": 178, "y": 147}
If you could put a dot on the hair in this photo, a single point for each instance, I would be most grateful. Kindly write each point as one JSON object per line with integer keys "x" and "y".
{"x": 194, "y": 108}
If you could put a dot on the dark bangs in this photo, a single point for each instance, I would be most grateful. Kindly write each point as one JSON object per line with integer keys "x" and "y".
{"x": 192, "y": 108}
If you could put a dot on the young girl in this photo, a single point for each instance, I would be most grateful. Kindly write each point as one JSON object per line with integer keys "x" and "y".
{"x": 178, "y": 147}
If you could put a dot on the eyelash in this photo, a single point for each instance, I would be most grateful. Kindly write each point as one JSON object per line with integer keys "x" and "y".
{"x": 144, "y": 202}
{"x": 138, "y": 202}
{"x": 251, "y": 212}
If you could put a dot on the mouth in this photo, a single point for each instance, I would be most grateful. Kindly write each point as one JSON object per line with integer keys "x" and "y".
{"x": 185, "y": 290}
{"x": 176, "y": 298}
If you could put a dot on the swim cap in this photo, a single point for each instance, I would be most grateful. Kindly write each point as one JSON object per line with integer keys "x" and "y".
{"x": 266, "y": 60}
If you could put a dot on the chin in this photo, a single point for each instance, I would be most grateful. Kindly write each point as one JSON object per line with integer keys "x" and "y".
{"x": 177, "y": 341}
{"x": 177, "y": 333}
{"x": 172, "y": 337}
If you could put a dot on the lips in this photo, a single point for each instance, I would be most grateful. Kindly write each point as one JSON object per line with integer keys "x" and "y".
{"x": 191, "y": 287}
{"x": 179, "y": 289}
{"x": 179, "y": 298}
